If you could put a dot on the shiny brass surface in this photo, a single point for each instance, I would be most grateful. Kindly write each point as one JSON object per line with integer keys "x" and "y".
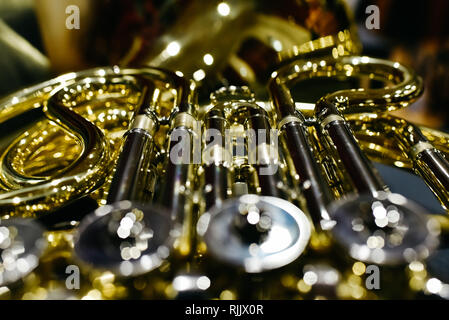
{"x": 64, "y": 142}
{"x": 226, "y": 41}
{"x": 91, "y": 142}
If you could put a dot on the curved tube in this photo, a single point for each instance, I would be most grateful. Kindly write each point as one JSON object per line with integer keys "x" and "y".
{"x": 370, "y": 207}
{"x": 128, "y": 220}
{"x": 416, "y": 148}
{"x": 35, "y": 195}
{"x": 406, "y": 86}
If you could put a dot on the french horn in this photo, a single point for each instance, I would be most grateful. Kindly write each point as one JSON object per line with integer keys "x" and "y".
{"x": 164, "y": 182}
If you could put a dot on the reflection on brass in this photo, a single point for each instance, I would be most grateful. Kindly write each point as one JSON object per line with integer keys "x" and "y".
{"x": 208, "y": 41}
{"x": 215, "y": 227}
{"x": 35, "y": 166}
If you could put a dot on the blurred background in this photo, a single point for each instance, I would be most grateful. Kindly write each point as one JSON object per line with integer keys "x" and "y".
{"x": 222, "y": 41}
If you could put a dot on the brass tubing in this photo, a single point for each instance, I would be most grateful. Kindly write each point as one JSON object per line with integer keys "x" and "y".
{"x": 336, "y": 130}
{"x": 291, "y": 125}
{"x": 128, "y": 182}
{"x": 372, "y": 199}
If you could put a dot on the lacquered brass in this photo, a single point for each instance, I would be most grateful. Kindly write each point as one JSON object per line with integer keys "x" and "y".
{"x": 74, "y": 144}
{"x": 401, "y": 87}
{"x": 231, "y": 41}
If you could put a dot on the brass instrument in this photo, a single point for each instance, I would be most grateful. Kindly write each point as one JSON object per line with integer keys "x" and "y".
{"x": 154, "y": 101}
{"x": 334, "y": 129}
{"x": 133, "y": 176}
{"x": 335, "y": 133}
{"x": 253, "y": 229}
{"x": 229, "y": 42}
{"x": 252, "y": 194}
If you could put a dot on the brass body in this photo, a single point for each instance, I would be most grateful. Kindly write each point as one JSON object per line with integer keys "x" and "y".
{"x": 70, "y": 142}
